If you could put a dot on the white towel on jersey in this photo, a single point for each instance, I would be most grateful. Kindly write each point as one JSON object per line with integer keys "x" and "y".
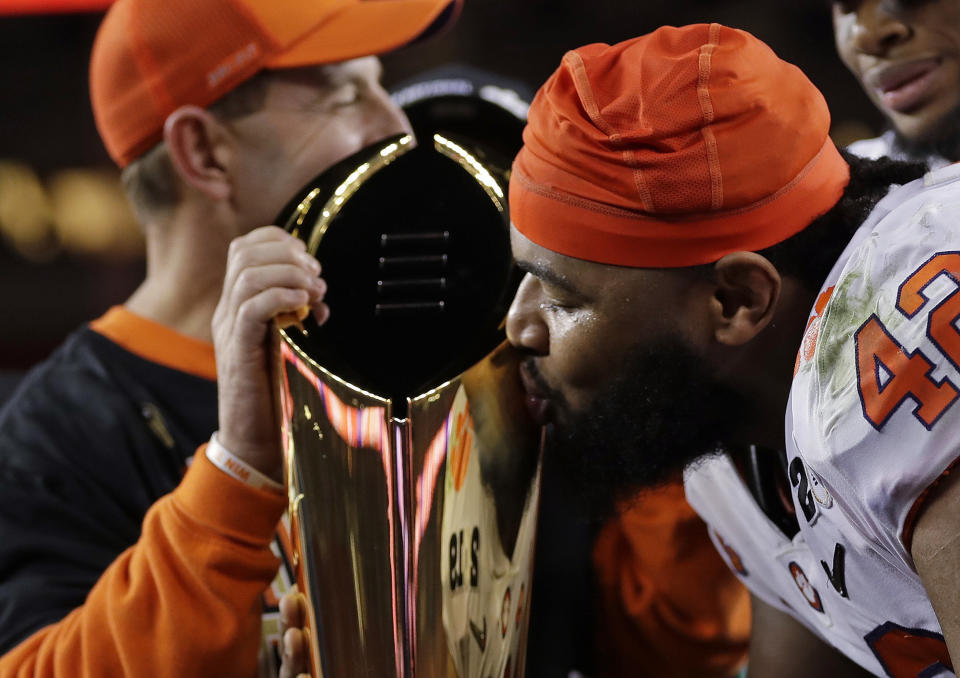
{"x": 873, "y": 420}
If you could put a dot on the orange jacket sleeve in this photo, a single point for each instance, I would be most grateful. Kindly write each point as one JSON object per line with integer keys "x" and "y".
{"x": 668, "y": 606}
{"x": 183, "y": 601}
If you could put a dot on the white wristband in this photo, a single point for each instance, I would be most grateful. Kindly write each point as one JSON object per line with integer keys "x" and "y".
{"x": 237, "y": 468}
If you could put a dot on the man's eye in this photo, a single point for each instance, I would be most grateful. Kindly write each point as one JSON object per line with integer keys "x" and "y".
{"x": 556, "y": 306}
{"x": 346, "y": 95}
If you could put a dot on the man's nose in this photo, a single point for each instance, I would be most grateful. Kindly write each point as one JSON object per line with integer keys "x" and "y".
{"x": 525, "y": 326}
{"x": 386, "y": 119}
{"x": 877, "y": 29}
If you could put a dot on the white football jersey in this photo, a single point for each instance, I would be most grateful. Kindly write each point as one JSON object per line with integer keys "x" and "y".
{"x": 873, "y": 421}
{"x": 486, "y": 594}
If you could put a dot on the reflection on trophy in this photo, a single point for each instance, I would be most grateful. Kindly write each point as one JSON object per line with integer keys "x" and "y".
{"x": 412, "y": 469}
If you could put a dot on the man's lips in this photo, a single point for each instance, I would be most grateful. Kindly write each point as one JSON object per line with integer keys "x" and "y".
{"x": 538, "y": 404}
{"x": 903, "y": 86}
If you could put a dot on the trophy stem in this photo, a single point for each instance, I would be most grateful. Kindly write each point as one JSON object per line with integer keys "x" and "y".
{"x": 405, "y": 595}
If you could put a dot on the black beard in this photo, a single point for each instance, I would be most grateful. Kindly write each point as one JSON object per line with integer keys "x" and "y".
{"x": 944, "y": 142}
{"x": 661, "y": 413}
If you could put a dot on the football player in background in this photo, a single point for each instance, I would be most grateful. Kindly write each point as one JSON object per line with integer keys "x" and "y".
{"x": 906, "y": 54}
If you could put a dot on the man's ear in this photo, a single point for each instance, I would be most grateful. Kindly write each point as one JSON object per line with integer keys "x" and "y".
{"x": 747, "y": 287}
{"x": 198, "y": 145}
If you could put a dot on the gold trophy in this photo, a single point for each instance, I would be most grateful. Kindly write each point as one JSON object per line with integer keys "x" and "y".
{"x": 412, "y": 468}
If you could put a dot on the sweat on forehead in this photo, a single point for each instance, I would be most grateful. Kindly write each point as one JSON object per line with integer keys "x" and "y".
{"x": 673, "y": 149}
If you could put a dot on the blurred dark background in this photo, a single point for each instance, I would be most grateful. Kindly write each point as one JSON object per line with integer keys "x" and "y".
{"x": 68, "y": 246}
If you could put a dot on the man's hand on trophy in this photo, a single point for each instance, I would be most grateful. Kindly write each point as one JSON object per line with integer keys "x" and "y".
{"x": 293, "y": 641}
{"x": 269, "y": 272}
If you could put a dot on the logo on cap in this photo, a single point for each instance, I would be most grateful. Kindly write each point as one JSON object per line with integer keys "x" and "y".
{"x": 232, "y": 64}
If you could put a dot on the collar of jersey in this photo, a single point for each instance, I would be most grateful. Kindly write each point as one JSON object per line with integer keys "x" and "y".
{"x": 157, "y": 343}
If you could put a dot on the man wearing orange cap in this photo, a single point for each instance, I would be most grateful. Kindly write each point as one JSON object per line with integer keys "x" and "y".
{"x": 701, "y": 259}
{"x": 218, "y": 111}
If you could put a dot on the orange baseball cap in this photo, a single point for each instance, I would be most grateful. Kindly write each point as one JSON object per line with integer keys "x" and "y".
{"x": 152, "y": 56}
{"x": 674, "y": 149}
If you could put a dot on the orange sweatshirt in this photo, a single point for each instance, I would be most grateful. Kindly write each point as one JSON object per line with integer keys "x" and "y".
{"x": 668, "y": 605}
{"x": 183, "y": 601}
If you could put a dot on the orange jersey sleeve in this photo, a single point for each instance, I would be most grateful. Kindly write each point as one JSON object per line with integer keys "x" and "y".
{"x": 668, "y": 604}
{"x": 183, "y": 601}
